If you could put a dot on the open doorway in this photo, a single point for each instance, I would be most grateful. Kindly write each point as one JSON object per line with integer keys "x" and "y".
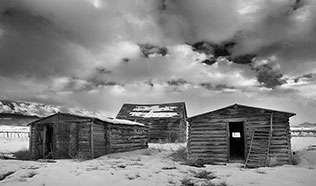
{"x": 49, "y": 142}
{"x": 236, "y": 141}
{"x": 44, "y": 141}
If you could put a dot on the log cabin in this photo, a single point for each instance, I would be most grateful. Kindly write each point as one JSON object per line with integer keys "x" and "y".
{"x": 167, "y": 121}
{"x": 63, "y": 136}
{"x": 255, "y": 136}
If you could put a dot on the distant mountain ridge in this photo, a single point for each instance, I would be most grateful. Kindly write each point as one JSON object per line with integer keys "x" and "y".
{"x": 27, "y": 108}
{"x": 305, "y": 125}
{"x": 20, "y": 113}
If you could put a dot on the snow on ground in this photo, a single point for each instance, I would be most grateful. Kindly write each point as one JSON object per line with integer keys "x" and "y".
{"x": 13, "y": 138}
{"x": 9, "y": 145}
{"x": 300, "y": 143}
{"x": 146, "y": 167}
{"x": 153, "y": 166}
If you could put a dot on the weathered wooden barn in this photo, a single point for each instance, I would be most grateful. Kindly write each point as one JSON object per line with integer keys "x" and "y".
{"x": 167, "y": 121}
{"x": 256, "y": 136}
{"x": 71, "y": 136}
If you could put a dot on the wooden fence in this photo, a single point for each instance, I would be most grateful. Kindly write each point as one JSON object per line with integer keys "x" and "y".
{"x": 14, "y": 134}
{"x": 303, "y": 132}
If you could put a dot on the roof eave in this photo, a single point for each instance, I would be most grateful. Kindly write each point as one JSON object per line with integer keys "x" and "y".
{"x": 192, "y": 117}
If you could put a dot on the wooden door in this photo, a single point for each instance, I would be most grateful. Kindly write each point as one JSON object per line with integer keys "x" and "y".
{"x": 73, "y": 140}
{"x": 39, "y": 141}
{"x": 62, "y": 140}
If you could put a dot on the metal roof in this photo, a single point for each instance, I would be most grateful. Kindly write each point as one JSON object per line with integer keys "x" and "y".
{"x": 162, "y": 110}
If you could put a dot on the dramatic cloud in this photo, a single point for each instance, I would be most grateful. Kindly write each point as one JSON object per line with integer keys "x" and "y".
{"x": 268, "y": 73}
{"x": 98, "y": 54}
{"x": 150, "y": 50}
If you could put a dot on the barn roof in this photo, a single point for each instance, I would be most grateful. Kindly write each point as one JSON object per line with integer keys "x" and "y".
{"x": 164, "y": 110}
{"x": 245, "y": 106}
{"x": 99, "y": 118}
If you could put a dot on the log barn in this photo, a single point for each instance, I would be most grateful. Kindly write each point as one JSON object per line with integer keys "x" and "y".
{"x": 63, "y": 135}
{"x": 256, "y": 136}
{"x": 167, "y": 121}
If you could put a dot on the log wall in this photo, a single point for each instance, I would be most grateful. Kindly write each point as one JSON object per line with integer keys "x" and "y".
{"x": 208, "y": 134}
{"x": 165, "y": 129}
{"x": 75, "y": 137}
{"x": 99, "y": 140}
{"x": 84, "y": 141}
{"x": 32, "y": 145}
{"x": 125, "y": 138}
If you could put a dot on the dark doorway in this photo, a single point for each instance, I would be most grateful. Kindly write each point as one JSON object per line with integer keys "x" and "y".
{"x": 236, "y": 140}
{"x": 49, "y": 142}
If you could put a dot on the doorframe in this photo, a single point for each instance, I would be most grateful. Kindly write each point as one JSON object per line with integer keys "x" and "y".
{"x": 244, "y": 122}
{"x": 52, "y": 136}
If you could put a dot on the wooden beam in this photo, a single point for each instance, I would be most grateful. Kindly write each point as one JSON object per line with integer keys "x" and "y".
{"x": 245, "y": 138}
{"x": 91, "y": 140}
{"x": 30, "y": 139}
{"x": 228, "y": 140}
{"x": 44, "y": 140}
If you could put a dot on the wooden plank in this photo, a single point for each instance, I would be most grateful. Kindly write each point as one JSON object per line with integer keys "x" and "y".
{"x": 44, "y": 140}
{"x": 91, "y": 140}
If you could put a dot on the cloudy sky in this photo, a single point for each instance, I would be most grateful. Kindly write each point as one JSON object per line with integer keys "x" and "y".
{"x": 99, "y": 54}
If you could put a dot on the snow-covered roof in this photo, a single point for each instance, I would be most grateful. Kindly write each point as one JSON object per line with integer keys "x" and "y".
{"x": 119, "y": 121}
{"x": 165, "y": 110}
{"x": 97, "y": 117}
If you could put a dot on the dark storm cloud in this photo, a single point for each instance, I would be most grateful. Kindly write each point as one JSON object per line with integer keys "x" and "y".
{"x": 214, "y": 51}
{"x": 101, "y": 70}
{"x": 284, "y": 29}
{"x": 177, "y": 82}
{"x": 150, "y": 83}
{"x": 150, "y": 49}
{"x": 25, "y": 35}
{"x": 218, "y": 87}
{"x": 268, "y": 74}
{"x": 298, "y": 4}
{"x": 192, "y": 21}
{"x": 308, "y": 78}
{"x": 86, "y": 50}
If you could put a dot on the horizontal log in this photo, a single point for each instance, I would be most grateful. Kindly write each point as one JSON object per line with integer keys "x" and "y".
{"x": 128, "y": 142}
{"x": 208, "y": 156}
{"x": 208, "y": 140}
{"x": 207, "y": 127}
{"x": 208, "y": 136}
{"x": 201, "y": 132}
{"x": 208, "y": 147}
{"x": 213, "y": 151}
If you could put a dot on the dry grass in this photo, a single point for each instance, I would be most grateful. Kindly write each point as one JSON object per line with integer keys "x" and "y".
{"x": 296, "y": 159}
{"x": 205, "y": 175}
{"x": 147, "y": 152}
{"x": 180, "y": 154}
{"x": 186, "y": 182}
{"x": 212, "y": 184}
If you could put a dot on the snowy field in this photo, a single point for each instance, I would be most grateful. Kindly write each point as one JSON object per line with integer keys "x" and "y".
{"x": 152, "y": 166}
{"x": 301, "y": 143}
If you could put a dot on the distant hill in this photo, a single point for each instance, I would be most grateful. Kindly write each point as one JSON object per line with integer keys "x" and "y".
{"x": 16, "y": 119}
{"x": 305, "y": 125}
{"x": 27, "y": 108}
{"x": 20, "y": 113}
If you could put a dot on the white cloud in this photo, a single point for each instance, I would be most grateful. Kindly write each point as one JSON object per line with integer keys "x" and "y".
{"x": 86, "y": 54}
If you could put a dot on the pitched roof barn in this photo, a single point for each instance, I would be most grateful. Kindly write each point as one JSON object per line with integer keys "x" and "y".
{"x": 64, "y": 135}
{"x": 167, "y": 120}
{"x": 257, "y": 136}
